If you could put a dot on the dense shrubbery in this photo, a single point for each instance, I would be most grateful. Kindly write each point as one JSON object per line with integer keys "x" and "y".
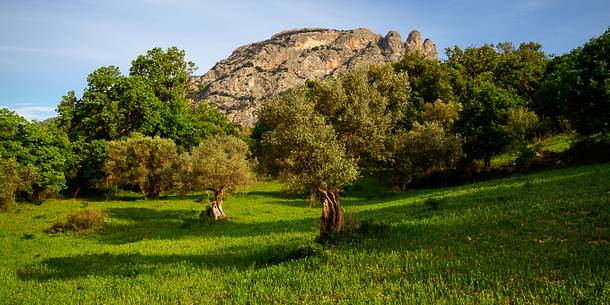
{"x": 15, "y": 178}
{"x": 153, "y": 100}
{"x": 577, "y": 86}
{"x": 143, "y": 162}
{"x": 44, "y": 148}
{"x": 79, "y": 221}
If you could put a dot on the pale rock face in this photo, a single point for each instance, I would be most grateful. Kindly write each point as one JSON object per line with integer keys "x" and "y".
{"x": 414, "y": 44}
{"x": 430, "y": 49}
{"x": 239, "y": 84}
{"x": 414, "y": 40}
{"x": 392, "y": 45}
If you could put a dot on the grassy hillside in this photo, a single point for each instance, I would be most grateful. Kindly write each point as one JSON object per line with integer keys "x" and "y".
{"x": 557, "y": 143}
{"x": 537, "y": 238}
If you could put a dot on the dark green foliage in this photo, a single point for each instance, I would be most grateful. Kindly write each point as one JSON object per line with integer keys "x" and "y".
{"x": 112, "y": 107}
{"x": 483, "y": 121}
{"x": 490, "y": 82}
{"x": 551, "y": 98}
{"x": 85, "y": 171}
{"x": 429, "y": 81}
{"x": 15, "y": 178}
{"x": 153, "y": 100}
{"x": 518, "y": 71}
{"x": 203, "y": 122}
{"x": 577, "y": 86}
{"x": 44, "y": 147}
{"x": 166, "y": 71}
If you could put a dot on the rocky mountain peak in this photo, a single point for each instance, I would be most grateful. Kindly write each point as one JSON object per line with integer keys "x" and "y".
{"x": 238, "y": 84}
{"x": 414, "y": 38}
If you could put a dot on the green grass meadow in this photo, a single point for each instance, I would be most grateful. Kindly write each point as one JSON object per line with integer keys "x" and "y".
{"x": 556, "y": 144}
{"x": 538, "y": 238}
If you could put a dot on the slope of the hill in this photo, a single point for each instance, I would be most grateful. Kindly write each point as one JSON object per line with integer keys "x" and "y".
{"x": 540, "y": 238}
{"x": 237, "y": 84}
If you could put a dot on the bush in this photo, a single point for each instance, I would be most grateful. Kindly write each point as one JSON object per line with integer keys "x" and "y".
{"x": 526, "y": 156}
{"x": 423, "y": 150}
{"x": 78, "y": 221}
{"x": 143, "y": 162}
{"x": 32, "y": 145}
{"x": 14, "y": 179}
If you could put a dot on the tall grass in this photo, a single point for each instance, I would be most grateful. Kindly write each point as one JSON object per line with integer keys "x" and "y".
{"x": 540, "y": 238}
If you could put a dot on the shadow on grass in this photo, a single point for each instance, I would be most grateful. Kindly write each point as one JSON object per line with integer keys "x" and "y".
{"x": 543, "y": 212}
{"x": 132, "y": 196}
{"x": 149, "y": 223}
{"x": 138, "y": 223}
{"x": 132, "y": 265}
{"x": 502, "y": 230}
{"x": 351, "y": 198}
{"x": 282, "y": 198}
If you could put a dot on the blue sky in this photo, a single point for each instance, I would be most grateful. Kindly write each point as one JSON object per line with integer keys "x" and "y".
{"x": 49, "y": 47}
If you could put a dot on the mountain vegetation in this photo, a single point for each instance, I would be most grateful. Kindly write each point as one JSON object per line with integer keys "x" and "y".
{"x": 359, "y": 143}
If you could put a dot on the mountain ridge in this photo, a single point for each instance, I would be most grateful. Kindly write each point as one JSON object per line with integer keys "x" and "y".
{"x": 238, "y": 84}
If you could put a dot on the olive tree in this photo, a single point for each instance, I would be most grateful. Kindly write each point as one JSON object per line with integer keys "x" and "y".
{"x": 308, "y": 154}
{"x": 143, "y": 162}
{"x": 363, "y": 106}
{"x": 219, "y": 165}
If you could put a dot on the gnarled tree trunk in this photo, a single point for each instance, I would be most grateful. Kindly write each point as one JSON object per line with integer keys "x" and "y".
{"x": 218, "y": 199}
{"x": 215, "y": 212}
{"x": 332, "y": 214}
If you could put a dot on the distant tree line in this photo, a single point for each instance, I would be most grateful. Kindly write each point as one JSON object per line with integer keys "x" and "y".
{"x": 405, "y": 120}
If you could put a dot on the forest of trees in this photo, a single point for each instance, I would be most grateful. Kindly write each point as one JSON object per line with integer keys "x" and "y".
{"x": 402, "y": 121}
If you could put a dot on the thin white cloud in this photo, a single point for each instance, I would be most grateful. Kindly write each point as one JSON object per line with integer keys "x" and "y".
{"x": 30, "y": 112}
{"x": 82, "y": 53}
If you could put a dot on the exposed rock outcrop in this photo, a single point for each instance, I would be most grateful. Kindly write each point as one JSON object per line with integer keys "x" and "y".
{"x": 238, "y": 84}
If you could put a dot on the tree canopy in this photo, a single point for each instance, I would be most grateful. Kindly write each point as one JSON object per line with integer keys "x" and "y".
{"x": 43, "y": 147}
{"x": 219, "y": 165}
{"x": 143, "y": 162}
{"x": 154, "y": 100}
{"x": 577, "y": 86}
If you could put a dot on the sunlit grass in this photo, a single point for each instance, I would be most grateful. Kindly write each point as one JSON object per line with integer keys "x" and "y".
{"x": 537, "y": 238}
{"x": 557, "y": 143}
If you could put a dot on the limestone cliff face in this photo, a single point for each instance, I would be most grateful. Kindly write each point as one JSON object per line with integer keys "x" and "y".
{"x": 238, "y": 84}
